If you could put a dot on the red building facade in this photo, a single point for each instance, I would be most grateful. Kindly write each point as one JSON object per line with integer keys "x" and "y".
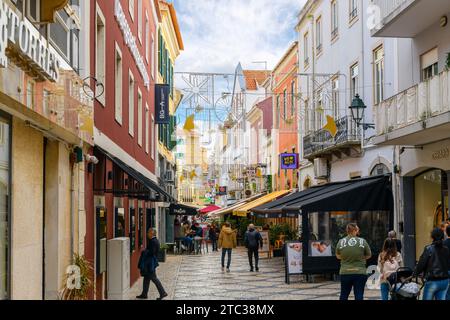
{"x": 123, "y": 181}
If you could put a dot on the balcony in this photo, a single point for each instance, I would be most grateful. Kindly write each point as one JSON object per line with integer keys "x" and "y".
{"x": 322, "y": 144}
{"x": 416, "y": 116}
{"x": 408, "y": 18}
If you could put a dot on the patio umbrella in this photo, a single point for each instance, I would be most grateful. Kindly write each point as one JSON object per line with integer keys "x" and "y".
{"x": 209, "y": 209}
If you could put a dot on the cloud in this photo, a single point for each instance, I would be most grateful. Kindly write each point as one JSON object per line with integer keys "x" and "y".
{"x": 220, "y": 33}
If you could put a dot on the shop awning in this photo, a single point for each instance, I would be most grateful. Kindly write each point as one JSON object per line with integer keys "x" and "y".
{"x": 230, "y": 209}
{"x": 367, "y": 194}
{"x": 147, "y": 182}
{"x": 180, "y": 209}
{"x": 243, "y": 210}
{"x": 209, "y": 209}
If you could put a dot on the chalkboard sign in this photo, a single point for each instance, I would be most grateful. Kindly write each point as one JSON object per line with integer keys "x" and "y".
{"x": 293, "y": 259}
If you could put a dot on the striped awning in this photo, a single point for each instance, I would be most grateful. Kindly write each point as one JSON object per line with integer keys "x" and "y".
{"x": 243, "y": 210}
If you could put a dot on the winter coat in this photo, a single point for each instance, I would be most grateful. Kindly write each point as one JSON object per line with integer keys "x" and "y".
{"x": 148, "y": 262}
{"x": 253, "y": 239}
{"x": 227, "y": 238}
{"x": 212, "y": 234}
{"x": 434, "y": 263}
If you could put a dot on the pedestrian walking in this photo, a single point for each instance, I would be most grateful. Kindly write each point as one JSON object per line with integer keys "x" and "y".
{"x": 253, "y": 241}
{"x": 213, "y": 237}
{"x": 227, "y": 242}
{"x": 434, "y": 265}
{"x": 148, "y": 263}
{"x": 389, "y": 260}
{"x": 393, "y": 235}
{"x": 353, "y": 252}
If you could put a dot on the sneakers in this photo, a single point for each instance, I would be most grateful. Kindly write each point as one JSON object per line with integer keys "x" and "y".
{"x": 228, "y": 269}
{"x": 251, "y": 269}
{"x": 141, "y": 297}
{"x": 223, "y": 269}
{"x": 257, "y": 269}
{"x": 162, "y": 297}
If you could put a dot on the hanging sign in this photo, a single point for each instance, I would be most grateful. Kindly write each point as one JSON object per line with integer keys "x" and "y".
{"x": 289, "y": 161}
{"x": 222, "y": 191}
{"x": 162, "y": 104}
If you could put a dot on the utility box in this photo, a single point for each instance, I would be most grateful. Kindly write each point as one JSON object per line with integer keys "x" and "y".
{"x": 118, "y": 268}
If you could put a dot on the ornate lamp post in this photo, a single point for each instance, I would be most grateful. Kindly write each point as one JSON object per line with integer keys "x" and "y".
{"x": 358, "y": 108}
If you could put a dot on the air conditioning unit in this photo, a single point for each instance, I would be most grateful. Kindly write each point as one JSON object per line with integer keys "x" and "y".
{"x": 320, "y": 168}
{"x": 169, "y": 176}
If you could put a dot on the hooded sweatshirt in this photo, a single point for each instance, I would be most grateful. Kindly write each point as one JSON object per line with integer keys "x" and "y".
{"x": 227, "y": 238}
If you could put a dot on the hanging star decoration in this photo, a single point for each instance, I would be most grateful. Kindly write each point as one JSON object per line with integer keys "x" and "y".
{"x": 182, "y": 179}
{"x": 193, "y": 175}
{"x": 331, "y": 126}
{"x": 259, "y": 172}
{"x": 189, "y": 125}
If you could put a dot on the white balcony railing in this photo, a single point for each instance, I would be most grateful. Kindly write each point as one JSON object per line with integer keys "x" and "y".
{"x": 387, "y": 7}
{"x": 418, "y": 103}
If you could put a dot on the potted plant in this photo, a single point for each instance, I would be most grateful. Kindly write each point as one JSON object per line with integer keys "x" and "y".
{"x": 162, "y": 252}
{"x": 280, "y": 232}
{"x": 78, "y": 283}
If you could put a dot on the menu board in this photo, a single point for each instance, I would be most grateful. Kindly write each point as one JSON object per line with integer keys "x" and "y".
{"x": 265, "y": 237}
{"x": 294, "y": 259}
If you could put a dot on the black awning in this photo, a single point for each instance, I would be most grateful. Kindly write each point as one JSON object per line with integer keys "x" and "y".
{"x": 182, "y": 210}
{"x": 367, "y": 194}
{"x": 147, "y": 182}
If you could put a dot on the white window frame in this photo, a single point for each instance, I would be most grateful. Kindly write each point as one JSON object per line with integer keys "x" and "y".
{"x": 354, "y": 80}
{"x": 30, "y": 97}
{"x": 140, "y": 119}
{"x": 153, "y": 138}
{"x": 335, "y": 96}
{"x": 100, "y": 61}
{"x": 118, "y": 85}
{"x": 319, "y": 37}
{"x": 63, "y": 24}
{"x": 131, "y": 8}
{"x": 131, "y": 103}
{"x": 306, "y": 48}
{"x": 28, "y": 10}
{"x": 334, "y": 19}
{"x": 378, "y": 64}
{"x": 353, "y": 10}
{"x": 147, "y": 38}
{"x": 153, "y": 51}
{"x": 147, "y": 129}
{"x": 140, "y": 20}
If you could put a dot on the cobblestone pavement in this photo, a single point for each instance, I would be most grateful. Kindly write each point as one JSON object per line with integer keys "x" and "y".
{"x": 199, "y": 277}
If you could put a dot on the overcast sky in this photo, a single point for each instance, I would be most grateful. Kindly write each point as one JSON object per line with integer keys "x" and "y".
{"x": 220, "y": 33}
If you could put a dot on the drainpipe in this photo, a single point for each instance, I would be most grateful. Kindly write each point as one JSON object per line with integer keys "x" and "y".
{"x": 72, "y": 209}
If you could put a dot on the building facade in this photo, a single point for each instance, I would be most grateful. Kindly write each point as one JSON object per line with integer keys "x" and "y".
{"x": 46, "y": 129}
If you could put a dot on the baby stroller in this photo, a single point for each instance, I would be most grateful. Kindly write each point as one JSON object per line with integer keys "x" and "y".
{"x": 402, "y": 285}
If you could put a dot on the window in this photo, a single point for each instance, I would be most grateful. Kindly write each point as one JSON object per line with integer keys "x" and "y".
{"x": 5, "y": 213}
{"x": 285, "y": 104}
{"x": 152, "y": 140}
{"x": 33, "y": 10}
{"x": 334, "y": 19}
{"x": 60, "y": 34}
{"x": 118, "y": 85}
{"x": 147, "y": 129}
{"x": 335, "y": 97}
{"x": 354, "y": 80}
{"x": 140, "y": 20}
{"x": 306, "y": 49}
{"x": 307, "y": 124}
{"x": 45, "y": 102}
{"x": 379, "y": 169}
{"x": 147, "y": 38}
{"x": 19, "y": 5}
{"x": 131, "y": 8}
{"x": 131, "y": 106}
{"x": 320, "y": 110}
{"x": 378, "y": 65}
{"x": 153, "y": 57}
{"x": 353, "y": 9}
{"x": 74, "y": 52}
{"x": 30, "y": 94}
{"x": 293, "y": 100}
{"x": 140, "y": 117}
{"x": 429, "y": 64}
{"x": 319, "y": 35}
{"x": 277, "y": 116}
{"x": 100, "y": 56}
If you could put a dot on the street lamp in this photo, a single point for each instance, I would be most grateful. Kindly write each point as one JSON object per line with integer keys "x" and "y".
{"x": 358, "y": 108}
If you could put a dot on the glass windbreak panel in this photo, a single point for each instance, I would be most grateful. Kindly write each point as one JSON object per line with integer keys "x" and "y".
{"x": 327, "y": 228}
{"x": 4, "y": 207}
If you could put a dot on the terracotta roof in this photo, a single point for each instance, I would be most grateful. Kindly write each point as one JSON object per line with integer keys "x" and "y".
{"x": 255, "y": 78}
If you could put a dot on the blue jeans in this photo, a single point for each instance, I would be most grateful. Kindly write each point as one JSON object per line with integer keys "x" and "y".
{"x": 384, "y": 287}
{"x": 435, "y": 290}
{"x": 224, "y": 251}
{"x": 448, "y": 291}
{"x": 355, "y": 281}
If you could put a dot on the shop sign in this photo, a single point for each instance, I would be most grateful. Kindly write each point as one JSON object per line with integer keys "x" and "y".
{"x": 441, "y": 154}
{"x": 162, "y": 104}
{"x": 130, "y": 41}
{"x": 24, "y": 37}
{"x": 222, "y": 191}
{"x": 289, "y": 161}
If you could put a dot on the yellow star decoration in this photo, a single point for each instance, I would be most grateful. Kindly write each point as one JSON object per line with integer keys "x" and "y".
{"x": 182, "y": 179}
{"x": 331, "y": 126}
{"x": 193, "y": 175}
{"x": 189, "y": 124}
{"x": 259, "y": 173}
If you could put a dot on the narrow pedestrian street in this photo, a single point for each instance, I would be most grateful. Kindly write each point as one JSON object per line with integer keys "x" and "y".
{"x": 199, "y": 277}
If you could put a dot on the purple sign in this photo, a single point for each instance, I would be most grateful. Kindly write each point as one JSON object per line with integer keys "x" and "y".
{"x": 289, "y": 161}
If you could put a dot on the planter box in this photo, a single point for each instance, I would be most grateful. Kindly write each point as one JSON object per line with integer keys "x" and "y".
{"x": 162, "y": 255}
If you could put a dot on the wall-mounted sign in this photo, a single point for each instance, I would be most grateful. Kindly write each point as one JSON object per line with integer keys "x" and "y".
{"x": 222, "y": 191}
{"x": 289, "y": 161}
{"x": 130, "y": 41}
{"x": 444, "y": 153}
{"x": 162, "y": 104}
{"x": 25, "y": 41}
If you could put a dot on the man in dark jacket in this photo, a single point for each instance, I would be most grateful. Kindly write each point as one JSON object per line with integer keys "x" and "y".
{"x": 148, "y": 263}
{"x": 253, "y": 241}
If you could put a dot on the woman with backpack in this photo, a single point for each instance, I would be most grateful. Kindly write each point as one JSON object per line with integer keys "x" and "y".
{"x": 434, "y": 264}
{"x": 389, "y": 261}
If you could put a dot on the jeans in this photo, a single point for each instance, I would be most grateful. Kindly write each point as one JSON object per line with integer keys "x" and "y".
{"x": 448, "y": 291}
{"x": 214, "y": 244}
{"x": 224, "y": 251}
{"x": 384, "y": 287}
{"x": 253, "y": 252}
{"x": 435, "y": 290}
{"x": 154, "y": 278}
{"x": 355, "y": 281}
